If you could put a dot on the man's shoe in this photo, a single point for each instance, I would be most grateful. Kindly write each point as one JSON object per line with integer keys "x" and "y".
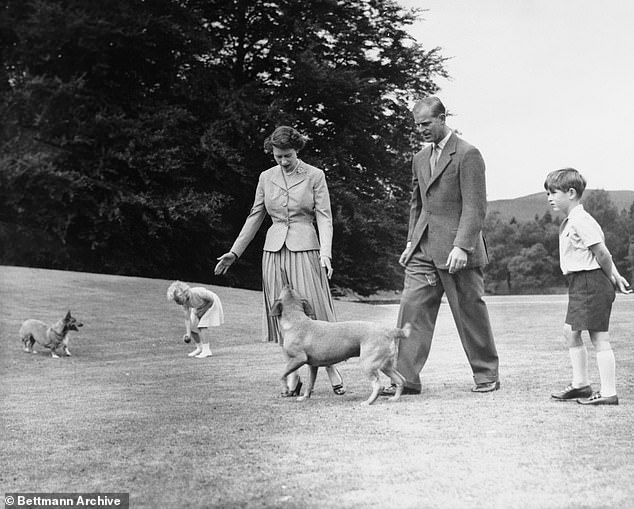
{"x": 571, "y": 392}
{"x": 597, "y": 399}
{"x": 391, "y": 391}
{"x": 486, "y": 387}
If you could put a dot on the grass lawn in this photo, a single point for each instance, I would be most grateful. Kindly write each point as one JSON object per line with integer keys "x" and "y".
{"x": 130, "y": 412}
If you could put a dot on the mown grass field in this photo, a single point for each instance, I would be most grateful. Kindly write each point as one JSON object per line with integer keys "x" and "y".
{"x": 129, "y": 411}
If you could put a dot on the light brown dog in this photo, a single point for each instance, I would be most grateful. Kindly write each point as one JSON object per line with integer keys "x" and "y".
{"x": 49, "y": 336}
{"x": 319, "y": 343}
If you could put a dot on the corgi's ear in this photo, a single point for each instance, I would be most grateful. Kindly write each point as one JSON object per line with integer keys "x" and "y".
{"x": 276, "y": 309}
{"x": 308, "y": 309}
{"x": 68, "y": 315}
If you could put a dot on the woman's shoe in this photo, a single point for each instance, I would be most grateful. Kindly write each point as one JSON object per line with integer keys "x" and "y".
{"x": 295, "y": 392}
{"x": 338, "y": 389}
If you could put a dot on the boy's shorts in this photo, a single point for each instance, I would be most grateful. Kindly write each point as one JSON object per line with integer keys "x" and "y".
{"x": 590, "y": 298}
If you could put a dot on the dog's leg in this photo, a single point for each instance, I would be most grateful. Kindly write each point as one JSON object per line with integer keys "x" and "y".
{"x": 31, "y": 345}
{"x": 311, "y": 384}
{"x": 65, "y": 346}
{"x": 397, "y": 379}
{"x": 292, "y": 364}
{"x": 376, "y": 387}
{"x": 54, "y": 354}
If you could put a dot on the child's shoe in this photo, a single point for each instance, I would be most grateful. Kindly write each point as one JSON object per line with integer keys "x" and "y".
{"x": 195, "y": 352}
{"x": 597, "y": 399}
{"x": 571, "y": 392}
{"x": 205, "y": 352}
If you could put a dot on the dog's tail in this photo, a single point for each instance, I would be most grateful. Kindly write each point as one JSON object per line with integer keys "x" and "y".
{"x": 403, "y": 332}
{"x": 398, "y": 334}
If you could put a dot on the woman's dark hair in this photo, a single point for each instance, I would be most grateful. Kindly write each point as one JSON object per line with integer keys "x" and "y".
{"x": 285, "y": 137}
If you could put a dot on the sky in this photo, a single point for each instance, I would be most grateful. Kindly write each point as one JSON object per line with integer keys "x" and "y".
{"x": 538, "y": 85}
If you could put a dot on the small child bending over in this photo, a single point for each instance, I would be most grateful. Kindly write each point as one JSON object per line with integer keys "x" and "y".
{"x": 592, "y": 278}
{"x": 202, "y": 309}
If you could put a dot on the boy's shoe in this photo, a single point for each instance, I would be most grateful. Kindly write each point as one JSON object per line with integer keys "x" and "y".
{"x": 571, "y": 392}
{"x": 597, "y": 399}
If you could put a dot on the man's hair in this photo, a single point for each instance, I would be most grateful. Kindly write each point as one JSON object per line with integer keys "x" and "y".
{"x": 565, "y": 179}
{"x": 435, "y": 105}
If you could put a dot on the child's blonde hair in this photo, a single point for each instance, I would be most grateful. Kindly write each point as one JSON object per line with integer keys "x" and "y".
{"x": 564, "y": 179}
{"x": 176, "y": 289}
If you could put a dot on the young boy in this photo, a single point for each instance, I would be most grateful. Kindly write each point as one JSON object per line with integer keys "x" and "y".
{"x": 202, "y": 309}
{"x": 592, "y": 276}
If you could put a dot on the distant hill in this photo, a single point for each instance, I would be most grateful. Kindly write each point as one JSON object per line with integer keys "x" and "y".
{"x": 526, "y": 207}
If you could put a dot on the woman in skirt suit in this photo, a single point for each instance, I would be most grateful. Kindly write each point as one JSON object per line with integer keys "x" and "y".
{"x": 295, "y": 195}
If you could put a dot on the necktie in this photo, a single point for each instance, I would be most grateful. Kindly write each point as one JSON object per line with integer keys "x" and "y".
{"x": 435, "y": 153}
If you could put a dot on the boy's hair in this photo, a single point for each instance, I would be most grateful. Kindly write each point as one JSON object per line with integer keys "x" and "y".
{"x": 565, "y": 179}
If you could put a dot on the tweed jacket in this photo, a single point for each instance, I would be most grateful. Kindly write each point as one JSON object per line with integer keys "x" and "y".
{"x": 448, "y": 209}
{"x": 294, "y": 203}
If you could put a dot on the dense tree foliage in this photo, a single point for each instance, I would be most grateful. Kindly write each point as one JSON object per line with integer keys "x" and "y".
{"x": 132, "y": 134}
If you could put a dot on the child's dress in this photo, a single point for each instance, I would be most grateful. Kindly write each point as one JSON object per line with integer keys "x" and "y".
{"x": 205, "y": 308}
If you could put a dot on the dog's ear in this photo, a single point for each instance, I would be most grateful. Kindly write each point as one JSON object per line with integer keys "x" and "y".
{"x": 67, "y": 315}
{"x": 308, "y": 309}
{"x": 276, "y": 309}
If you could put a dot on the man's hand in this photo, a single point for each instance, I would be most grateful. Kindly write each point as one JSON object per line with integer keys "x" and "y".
{"x": 457, "y": 260}
{"x": 405, "y": 254}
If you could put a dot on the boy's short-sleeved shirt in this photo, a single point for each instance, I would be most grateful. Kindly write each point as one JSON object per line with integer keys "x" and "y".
{"x": 577, "y": 233}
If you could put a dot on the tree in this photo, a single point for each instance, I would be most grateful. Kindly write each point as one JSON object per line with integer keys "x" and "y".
{"x": 101, "y": 152}
{"x": 614, "y": 226}
{"x": 522, "y": 255}
{"x": 344, "y": 73}
{"x": 133, "y": 131}
{"x": 533, "y": 269}
{"x": 502, "y": 243}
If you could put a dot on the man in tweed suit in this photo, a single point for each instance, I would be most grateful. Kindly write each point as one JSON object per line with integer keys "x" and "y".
{"x": 445, "y": 251}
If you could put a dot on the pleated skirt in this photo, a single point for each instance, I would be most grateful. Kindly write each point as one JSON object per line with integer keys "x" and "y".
{"x": 307, "y": 277}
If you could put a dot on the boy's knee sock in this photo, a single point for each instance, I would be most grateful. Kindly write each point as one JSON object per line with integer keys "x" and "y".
{"x": 607, "y": 372}
{"x": 579, "y": 360}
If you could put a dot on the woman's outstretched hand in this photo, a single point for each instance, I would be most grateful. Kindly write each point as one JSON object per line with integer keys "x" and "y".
{"x": 225, "y": 261}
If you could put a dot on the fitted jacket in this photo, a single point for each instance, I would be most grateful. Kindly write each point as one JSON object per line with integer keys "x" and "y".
{"x": 295, "y": 205}
{"x": 448, "y": 209}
